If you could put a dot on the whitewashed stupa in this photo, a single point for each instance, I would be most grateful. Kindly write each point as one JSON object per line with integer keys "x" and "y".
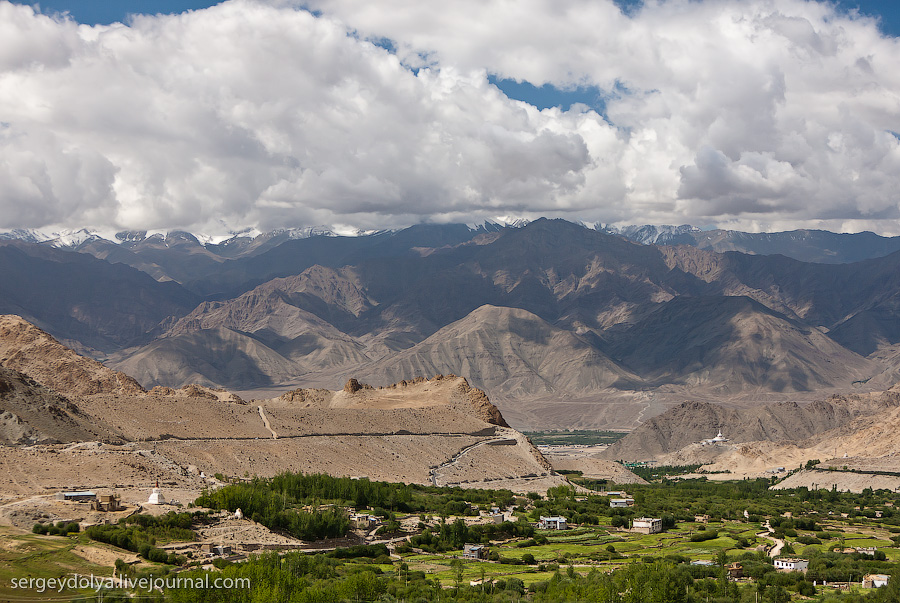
{"x": 156, "y": 496}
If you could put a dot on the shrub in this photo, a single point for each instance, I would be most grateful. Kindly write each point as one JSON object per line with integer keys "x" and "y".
{"x": 704, "y": 536}
{"x": 158, "y": 555}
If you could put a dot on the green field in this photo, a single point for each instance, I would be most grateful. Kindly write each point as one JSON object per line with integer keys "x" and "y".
{"x": 25, "y": 556}
{"x": 574, "y": 437}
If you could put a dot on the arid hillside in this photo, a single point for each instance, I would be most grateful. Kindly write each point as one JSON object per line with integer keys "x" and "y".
{"x": 90, "y": 427}
{"x": 864, "y": 452}
{"x": 25, "y": 348}
{"x": 688, "y": 424}
{"x": 852, "y": 441}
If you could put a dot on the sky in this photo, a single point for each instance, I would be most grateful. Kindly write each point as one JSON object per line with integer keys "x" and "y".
{"x": 756, "y": 115}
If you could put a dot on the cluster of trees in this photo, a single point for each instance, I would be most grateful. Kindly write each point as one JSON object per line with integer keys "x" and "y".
{"x": 60, "y": 529}
{"x": 452, "y": 536}
{"x": 276, "y": 502}
{"x": 704, "y": 535}
{"x": 272, "y": 508}
{"x": 297, "y": 578}
{"x": 132, "y": 538}
{"x": 682, "y": 499}
{"x": 141, "y": 533}
{"x": 838, "y": 567}
{"x": 299, "y": 488}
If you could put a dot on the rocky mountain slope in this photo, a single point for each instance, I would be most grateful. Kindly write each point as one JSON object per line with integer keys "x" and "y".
{"x": 33, "y": 414}
{"x": 731, "y": 344}
{"x": 30, "y": 350}
{"x": 509, "y": 351}
{"x": 865, "y": 445}
{"x": 683, "y": 428}
{"x": 87, "y": 302}
{"x": 605, "y": 315}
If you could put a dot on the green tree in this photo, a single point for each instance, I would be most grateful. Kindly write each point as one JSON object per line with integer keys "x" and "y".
{"x": 457, "y": 566}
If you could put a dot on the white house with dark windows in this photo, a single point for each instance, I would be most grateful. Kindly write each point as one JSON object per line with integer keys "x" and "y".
{"x": 647, "y": 525}
{"x": 790, "y": 564}
{"x": 553, "y": 523}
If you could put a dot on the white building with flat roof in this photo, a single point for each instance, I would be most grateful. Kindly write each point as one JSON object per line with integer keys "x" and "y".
{"x": 647, "y": 525}
{"x": 553, "y": 523}
{"x": 790, "y": 564}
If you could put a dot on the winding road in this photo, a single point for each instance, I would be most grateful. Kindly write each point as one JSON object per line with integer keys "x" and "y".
{"x": 456, "y": 457}
{"x": 779, "y": 543}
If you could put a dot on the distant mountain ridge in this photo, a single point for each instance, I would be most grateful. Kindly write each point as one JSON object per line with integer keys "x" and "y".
{"x": 819, "y": 246}
{"x": 550, "y": 310}
{"x": 804, "y": 244}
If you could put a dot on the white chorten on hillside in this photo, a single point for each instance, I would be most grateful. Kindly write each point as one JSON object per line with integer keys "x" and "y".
{"x": 716, "y": 440}
{"x": 156, "y": 497}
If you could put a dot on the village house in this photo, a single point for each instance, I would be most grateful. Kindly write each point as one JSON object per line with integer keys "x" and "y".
{"x": 735, "y": 571}
{"x": 107, "y": 502}
{"x": 553, "y": 523}
{"x": 215, "y": 549}
{"x": 80, "y": 496}
{"x": 647, "y": 525}
{"x": 621, "y": 502}
{"x": 701, "y": 518}
{"x": 875, "y": 580}
{"x": 364, "y": 521}
{"x": 475, "y": 551}
{"x": 790, "y": 564}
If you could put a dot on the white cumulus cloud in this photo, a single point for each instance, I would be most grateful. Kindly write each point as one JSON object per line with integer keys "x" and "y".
{"x": 746, "y": 113}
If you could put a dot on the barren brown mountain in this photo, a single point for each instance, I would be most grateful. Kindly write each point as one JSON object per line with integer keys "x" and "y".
{"x": 862, "y": 453}
{"x": 728, "y": 344}
{"x": 510, "y": 352}
{"x": 687, "y": 425}
{"x": 30, "y": 350}
{"x": 32, "y": 414}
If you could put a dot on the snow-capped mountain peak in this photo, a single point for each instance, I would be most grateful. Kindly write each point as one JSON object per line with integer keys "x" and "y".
{"x": 29, "y": 235}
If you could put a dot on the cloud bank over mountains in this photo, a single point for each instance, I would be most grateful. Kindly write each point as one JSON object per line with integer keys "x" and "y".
{"x": 748, "y": 114}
